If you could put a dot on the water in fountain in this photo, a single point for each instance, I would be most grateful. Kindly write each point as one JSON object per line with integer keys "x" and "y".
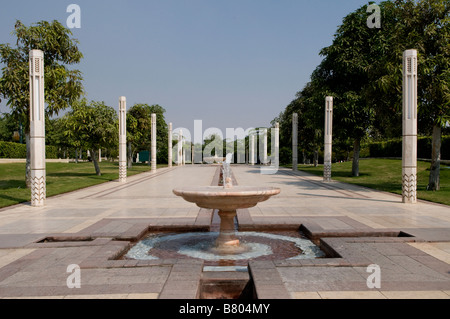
{"x": 260, "y": 246}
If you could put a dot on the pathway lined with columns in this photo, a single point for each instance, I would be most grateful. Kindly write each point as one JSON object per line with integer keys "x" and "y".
{"x": 113, "y": 213}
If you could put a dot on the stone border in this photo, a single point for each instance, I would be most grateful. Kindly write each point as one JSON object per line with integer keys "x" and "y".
{"x": 110, "y": 238}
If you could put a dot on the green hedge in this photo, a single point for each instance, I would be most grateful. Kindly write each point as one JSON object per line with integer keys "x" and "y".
{"x": 393, "y": 148}
{"x": 16, "y": 150}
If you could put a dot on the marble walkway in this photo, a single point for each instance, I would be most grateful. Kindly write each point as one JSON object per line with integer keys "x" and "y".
{"x": 359, "y": 227}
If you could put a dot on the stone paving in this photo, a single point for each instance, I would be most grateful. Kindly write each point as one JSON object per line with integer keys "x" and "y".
{"x": 356, "y": 226}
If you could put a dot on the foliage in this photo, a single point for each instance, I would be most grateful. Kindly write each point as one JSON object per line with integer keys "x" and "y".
{"x": 16, "y": 150}
{"x": 139, "y": 129}
{"x": 362, "y": 70}
{"x": 92, "y": 126}
{"x": 62, "y": 85}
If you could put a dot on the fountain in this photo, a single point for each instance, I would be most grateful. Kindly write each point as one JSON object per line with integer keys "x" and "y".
{"x": 227, "y": 199}
{"x": 227, "y": 247}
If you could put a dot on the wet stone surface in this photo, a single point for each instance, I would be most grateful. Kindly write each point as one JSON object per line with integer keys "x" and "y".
{"x": 258, "y": 246}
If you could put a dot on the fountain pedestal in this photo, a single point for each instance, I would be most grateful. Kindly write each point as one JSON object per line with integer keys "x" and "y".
{"x": 227, "y": 200}
{"x": 227, "y": 241}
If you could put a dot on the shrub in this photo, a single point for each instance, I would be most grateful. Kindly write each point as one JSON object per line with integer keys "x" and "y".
{"x": 393, "y": 148}
{"x": 16, "y": 150}
{"x": 12, "y": 150}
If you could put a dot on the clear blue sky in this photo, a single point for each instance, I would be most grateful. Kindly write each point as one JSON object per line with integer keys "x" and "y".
{"x": 230, "y": 63}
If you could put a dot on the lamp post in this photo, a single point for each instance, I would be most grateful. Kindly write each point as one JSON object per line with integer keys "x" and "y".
{"x": 122, "y": 139}
{"x": 409, "y": 148}
{"x": 277, "y": 145}
{"x": 252, "y": 149}
{"x": 294, "y": 141}
{"x": 37, "y": 128}
{"x": 180, "y": 148}
{"x": 153, "y": 142}
{"x": 170, "y": 146}
{"x": 328, "y": 138}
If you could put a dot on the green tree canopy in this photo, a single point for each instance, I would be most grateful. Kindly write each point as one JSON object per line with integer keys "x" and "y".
{"x": 93, "y": 126}
{"x": 62, "y": 85}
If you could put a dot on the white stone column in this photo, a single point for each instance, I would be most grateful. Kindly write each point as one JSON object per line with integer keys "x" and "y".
{"x": 277, "y": 145}
{"x": 264, "y": 155}
{"x": 99, "y": 155}
{"x": 294, "y": 141}
{"x": 180, "y": 148}
{"x": 153, "y": 142}
{"x": 409, "y": 152}
{"x": 122, "y": 139}
{"x": 328, "y": 130}
{"x": 169, "y": 152}
{"x": 252, "y": 149}
{"x": 37, "y": 128}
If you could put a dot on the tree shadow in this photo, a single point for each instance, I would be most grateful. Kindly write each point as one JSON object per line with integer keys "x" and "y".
{"x": 70, "y": 174}
{"x": 13, "y": 183}
{"x": 15, "y": 200}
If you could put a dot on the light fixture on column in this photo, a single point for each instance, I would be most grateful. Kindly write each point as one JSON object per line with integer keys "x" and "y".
{"x": 294, "y": 141}
{"x": 169, "y": 153}
{"x": 153, "y": 116}
{"x": 37, "y": 128}
{"x": 409, "y": 148}
{"x": 328, "y": 130}
{"x": 122, "y": 139}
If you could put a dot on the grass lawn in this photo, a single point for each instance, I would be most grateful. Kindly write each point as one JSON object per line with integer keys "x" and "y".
{"x": 61, "y": 178}
{"x": 386, "y": 175}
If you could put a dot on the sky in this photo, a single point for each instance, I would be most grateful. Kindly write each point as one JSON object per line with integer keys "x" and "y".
{"x": 229, "y": 63}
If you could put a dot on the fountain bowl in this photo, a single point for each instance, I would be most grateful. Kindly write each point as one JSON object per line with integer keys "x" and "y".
{"x": 226, "y": 199}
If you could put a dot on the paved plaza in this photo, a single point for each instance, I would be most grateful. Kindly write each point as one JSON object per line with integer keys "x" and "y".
{"x": 356, "y": 226}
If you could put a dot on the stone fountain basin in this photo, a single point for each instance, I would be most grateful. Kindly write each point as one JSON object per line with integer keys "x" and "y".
{"x": 226, "y": 199}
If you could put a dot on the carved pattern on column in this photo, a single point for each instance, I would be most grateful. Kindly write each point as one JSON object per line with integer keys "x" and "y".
{"x": 327, "y": 172}
{"x": 38, "y": 189}
{"x": 122, "y": 172}
{"x": 409, "y": 186}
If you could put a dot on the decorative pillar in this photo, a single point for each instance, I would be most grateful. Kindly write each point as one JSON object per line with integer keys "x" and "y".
{"x": 277, "y": 145}
{"x": 169, "y": 161}
{"x": 153, "y": 142}
{"x": 180, "y": 148}
{"x": 122, "y": 139}
{"x": 37, "y": 128}
{"x": 409, "y": 151}
{"x": 294, "y": 141}
{"x": 252, "y": 149}
{"x": 264, "y": 157}
{"x": 328, "y": 130}
{"x": 99, "y": 155}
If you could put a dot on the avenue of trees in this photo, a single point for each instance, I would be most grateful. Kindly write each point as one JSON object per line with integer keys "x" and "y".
{"x": 362, "y": 70}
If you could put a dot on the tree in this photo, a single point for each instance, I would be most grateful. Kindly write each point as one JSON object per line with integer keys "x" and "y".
{"x": 8, "y": 127}
{"x": 94, "y": 125}
{"x": 423, "y": 25}
{"x": 62, "y": 85}
{"x": 139, "y": 130}
{"x": 426, "y": 27}
{"x": 346, "y": 73}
